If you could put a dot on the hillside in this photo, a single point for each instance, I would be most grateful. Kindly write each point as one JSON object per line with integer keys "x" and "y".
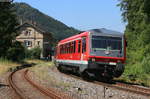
{"x": 45, "y": 22}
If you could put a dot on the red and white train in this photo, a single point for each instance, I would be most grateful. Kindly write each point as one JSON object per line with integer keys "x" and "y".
{"x": 98, "y": 52}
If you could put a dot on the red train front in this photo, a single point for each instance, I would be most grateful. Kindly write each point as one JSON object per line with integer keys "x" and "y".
{"x": 97, "y": 52}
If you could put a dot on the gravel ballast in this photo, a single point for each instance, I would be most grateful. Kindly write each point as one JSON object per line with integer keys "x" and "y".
{"x": 80, "y": 89}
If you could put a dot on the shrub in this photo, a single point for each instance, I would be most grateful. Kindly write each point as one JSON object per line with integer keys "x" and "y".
{"x": 33, "y": 53}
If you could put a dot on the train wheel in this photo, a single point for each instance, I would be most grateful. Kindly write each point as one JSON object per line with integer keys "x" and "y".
{"x": 118, "y": 71}
{"x": 103, "y": 77}
{"x": 60, "y": 68}
{"x": 85, "y": 75}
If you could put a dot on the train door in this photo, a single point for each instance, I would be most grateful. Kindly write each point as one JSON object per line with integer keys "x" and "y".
{"x": 83, "y": 48}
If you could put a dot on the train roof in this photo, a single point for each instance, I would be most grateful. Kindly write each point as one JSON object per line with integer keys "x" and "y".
{"x": 105, "y": 31}
{"x": 102, "y": 31}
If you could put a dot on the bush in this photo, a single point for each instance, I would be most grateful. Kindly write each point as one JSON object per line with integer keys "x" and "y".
{"x": 146, "y": 65}
{"x": 33, "y": 53}
{"x": 138, "y": 72}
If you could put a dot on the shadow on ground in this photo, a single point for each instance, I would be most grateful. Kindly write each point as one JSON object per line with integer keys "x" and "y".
{"x": 3, "y": 85}
{"x": 21, "y": 67}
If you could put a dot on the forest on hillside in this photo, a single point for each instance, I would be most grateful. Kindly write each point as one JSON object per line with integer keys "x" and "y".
{"x": 26, "y": 13}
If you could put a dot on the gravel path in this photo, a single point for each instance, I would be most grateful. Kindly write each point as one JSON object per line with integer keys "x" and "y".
{"x": 79, "y": 89}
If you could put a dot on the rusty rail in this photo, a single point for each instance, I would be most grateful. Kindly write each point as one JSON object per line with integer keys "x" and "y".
{"x": 51, "y": 93}
{"x": 14, "y": 87}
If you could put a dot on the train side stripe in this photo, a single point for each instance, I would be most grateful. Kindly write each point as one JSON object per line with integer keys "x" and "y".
{"x": 73, "y": 61}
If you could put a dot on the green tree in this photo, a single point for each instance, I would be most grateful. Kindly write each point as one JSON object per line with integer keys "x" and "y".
{"x": 8, "y": 23}
{"x": 16, "y": 52}
{"x": 136, "y": 13}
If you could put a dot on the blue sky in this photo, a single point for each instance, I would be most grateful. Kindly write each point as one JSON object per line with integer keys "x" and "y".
{"x": 82, "y": 14}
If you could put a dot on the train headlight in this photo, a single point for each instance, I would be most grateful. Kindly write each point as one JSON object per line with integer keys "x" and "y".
{"x": 93, "y": 59}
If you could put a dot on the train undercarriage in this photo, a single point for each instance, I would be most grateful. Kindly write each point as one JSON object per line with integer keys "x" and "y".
{"x": 98, "y": 71}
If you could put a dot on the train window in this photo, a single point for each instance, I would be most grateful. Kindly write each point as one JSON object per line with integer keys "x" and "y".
{"x": 83, "y": 44}
{"x": 63, "y": 50}
{"x": 79, "y": 46}
{"x": 102, "y": 42}
{"x": 69, "y": 47}
{"x": 74, "y": 46}
{"x": 58, "y": 49}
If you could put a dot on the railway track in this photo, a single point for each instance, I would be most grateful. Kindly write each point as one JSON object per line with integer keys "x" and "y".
{"x": 51, "y": 93}
{"x": 120, "y": 86}
{"x": 14, "y": 86}
{"x": 126, "y": 87}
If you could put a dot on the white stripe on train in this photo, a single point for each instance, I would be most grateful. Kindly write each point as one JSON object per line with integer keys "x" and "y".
{"x": 73, "y": 61}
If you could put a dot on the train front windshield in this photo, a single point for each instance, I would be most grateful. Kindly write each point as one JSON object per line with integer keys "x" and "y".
{"x": 106, "y": 43}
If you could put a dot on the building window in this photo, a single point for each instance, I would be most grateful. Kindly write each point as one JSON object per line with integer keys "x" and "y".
{"x": 38, "y": 43}
{"x": 28, "y": 32}
{"x": 28, "y": 43}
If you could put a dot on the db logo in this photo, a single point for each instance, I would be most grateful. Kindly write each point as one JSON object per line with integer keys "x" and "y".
{"x": 107, "y": 52}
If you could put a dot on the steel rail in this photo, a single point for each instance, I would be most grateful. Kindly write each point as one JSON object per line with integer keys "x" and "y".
{"x": 127, "y": 88}
{"x": 14, "y": 87}
{"x": 134, "y": 88}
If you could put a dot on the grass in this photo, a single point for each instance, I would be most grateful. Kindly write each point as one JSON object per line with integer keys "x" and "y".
{"x": 5, "y": 65}
{"x": 41, "y": 70}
